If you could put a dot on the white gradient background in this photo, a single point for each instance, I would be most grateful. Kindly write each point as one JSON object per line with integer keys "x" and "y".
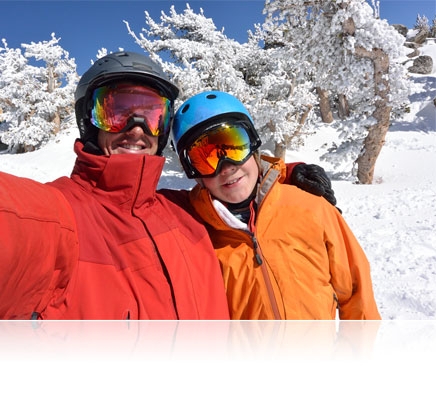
{"x": 218, "y": 360}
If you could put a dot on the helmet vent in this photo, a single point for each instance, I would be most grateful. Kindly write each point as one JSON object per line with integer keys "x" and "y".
{"x": 184, "y": 109}
{"x": 141, "y": 67}
{"x": 211, "y": 96}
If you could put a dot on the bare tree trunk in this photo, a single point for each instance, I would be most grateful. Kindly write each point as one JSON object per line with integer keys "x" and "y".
{"x": 324, "y": 106}
{"x": 280, "y": 147}
{"x": 52, "y": 84}
{"x": 57, "y": 123}
{"x": 51, "y": 78}
{"x": 280, "y": 150}
{"x": 375, "y": 139}
{"x": 343, "y": 109}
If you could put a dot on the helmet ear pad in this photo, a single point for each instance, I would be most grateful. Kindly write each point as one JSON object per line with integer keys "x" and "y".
{"x": 161, "y": 144}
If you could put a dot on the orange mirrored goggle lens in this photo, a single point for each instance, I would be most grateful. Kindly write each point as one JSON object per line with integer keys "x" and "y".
{"x": 115, "y": 106}
{"x": 222, "y": 143}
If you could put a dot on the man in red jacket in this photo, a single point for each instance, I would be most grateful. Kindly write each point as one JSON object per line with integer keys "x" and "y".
{"x": 104, "y": 243}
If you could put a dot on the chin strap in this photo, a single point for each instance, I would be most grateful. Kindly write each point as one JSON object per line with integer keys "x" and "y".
{"x": 92, "y": 148}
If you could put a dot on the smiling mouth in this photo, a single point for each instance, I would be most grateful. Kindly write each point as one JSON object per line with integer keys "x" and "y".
{"x": 232, "y": 182}
{"x": 128, "y": 146}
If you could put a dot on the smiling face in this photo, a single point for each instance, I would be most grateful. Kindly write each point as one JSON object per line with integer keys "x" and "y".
{"x": 130, "y": 117}
{"x": 133, "y": 141}
{"x": 234, "y": 183}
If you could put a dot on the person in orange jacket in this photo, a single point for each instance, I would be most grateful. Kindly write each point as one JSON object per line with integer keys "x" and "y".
{"x": 284, "y": 253}
{"x": 104, "y": 243}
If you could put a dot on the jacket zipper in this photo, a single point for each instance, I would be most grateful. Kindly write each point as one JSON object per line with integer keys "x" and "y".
{"x": 266, "y": 277}
{"x": 260, "y": 260}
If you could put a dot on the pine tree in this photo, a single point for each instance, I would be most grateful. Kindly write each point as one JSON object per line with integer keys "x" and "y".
{"x": 351, "y": 56}
{"x": 422, "y": 24}
{"x": 34, "y": 100}
{"x": 433, "y": 28}
{"x": 202, "y": 58}
{"x": 337, "y": 50}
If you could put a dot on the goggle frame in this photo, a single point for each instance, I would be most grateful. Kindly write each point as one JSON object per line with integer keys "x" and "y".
{"x": 126, "y": 113}
{"x": 200, "y": 133}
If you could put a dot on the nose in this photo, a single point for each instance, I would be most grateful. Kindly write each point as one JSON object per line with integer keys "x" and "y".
{"x": 227, "y": 168}
{"x": 135, "y": 130}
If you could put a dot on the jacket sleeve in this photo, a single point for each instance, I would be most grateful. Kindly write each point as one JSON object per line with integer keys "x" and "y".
{"x": 289, "y": 168}
{"x": 38, "y": 246}
{"x": 350, "y": 270}
{"x": 284, "y": 168}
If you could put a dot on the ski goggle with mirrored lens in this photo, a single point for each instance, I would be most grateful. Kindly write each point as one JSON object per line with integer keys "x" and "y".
{"x": 234, "y": 143}
{"x": 117, "y": 108}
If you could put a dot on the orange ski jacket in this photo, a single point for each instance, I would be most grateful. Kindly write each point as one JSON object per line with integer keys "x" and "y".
{"x": 104, "y": 244}
{"x": 300, "y": 260}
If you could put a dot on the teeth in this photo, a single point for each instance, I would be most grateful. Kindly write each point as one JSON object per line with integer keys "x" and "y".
{"x": 131, "y": 147}
{"x": 232, "y": 182}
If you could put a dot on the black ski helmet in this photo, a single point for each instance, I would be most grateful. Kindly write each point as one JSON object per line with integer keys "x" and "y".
{"x": 122, "y": 65}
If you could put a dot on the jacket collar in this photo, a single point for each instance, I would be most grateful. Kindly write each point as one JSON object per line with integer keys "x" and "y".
{"x": 129, "y": 181}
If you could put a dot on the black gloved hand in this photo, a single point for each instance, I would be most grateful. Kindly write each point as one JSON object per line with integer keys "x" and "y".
{"x": 313, "y": 179}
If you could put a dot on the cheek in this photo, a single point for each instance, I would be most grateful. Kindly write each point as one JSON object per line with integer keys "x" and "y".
{"x": 154, "y": 141}
{"x": 101, "y": 139}
{"x": 104, "y": 141}
{"x": 252, "y": 171}
{"x": 209, "y": 183}
{"x": 254, "y": 177}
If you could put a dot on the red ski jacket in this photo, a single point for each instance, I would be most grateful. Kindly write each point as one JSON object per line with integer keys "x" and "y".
{"x": 104, "y": 244}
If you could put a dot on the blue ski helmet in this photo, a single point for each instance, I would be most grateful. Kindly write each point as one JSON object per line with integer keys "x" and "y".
{"x": 204, "y": 110}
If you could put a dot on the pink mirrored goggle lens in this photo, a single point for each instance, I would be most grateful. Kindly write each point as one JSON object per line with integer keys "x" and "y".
{"x": 115, "y": 106}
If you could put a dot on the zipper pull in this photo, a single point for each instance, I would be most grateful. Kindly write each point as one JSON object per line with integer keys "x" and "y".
{"x": 256, "y": 249}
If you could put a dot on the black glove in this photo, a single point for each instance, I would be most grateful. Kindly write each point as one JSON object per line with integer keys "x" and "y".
{"x": 313, "y": 179}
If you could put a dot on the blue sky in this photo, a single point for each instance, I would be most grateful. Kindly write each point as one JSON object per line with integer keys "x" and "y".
{"x": 86, "y": 26}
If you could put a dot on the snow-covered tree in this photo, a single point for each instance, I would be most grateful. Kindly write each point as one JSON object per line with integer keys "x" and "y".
{"x": 35, "y": 99}
{"x": 199, "y": 58}
{"x": 352, "y": 58}
{"x": 422, "y": 24}
{"x": 12, "y": 82}
{"x": 336, "y": 50}
{"x": 433, "y": 28}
